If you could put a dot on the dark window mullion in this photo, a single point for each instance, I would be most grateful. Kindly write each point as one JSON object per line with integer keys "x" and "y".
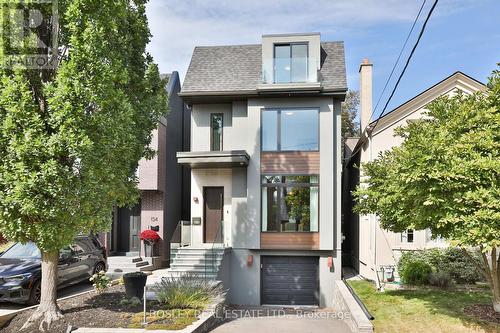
{"x": 278, "y": 113}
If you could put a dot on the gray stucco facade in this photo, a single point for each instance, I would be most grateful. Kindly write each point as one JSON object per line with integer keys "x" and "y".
{"x": 241, "y": 102}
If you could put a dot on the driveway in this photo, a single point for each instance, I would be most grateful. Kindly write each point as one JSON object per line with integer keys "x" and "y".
{"x": 276, "y": 320}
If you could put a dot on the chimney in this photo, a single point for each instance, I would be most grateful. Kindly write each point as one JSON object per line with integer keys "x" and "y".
{"x": 365, "y": 93}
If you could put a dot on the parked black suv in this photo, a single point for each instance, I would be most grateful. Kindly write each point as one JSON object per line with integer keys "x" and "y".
{"x": 20, "y": 268}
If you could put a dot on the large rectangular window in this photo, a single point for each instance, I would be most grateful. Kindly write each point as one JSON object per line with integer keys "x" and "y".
{"x": 290, "y": 63}
{"x": 216, "y": 126}
{"x": 290, "y": 203}
{"x": 290, "y": 130}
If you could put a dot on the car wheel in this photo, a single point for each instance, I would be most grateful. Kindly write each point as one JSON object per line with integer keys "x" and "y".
{"x": 99, "y": 267}
{"x": 36, "y": 293}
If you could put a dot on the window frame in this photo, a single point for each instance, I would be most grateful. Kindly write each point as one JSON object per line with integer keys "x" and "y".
{"x": 278, "y": 129}
{"x": 212, "y": 115}
{"x": 404, "y": 236}
{"x": 290, "y": 57}
{"x": 285, "y": 184}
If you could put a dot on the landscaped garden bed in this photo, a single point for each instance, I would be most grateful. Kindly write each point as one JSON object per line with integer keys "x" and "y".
{"x": 458, "y": 309}
{"x": 112, "y": 309}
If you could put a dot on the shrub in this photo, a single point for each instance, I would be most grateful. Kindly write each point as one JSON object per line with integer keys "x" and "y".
{"x": 440, "y": 279}
{"x": 416, "y": 272}
{"x": 132, "y": 302}
{"x": 100, "y": 281}
{"x": 452, "y": 261}
{"x": 188, "y": 292}
{"x": 461, "y": 267}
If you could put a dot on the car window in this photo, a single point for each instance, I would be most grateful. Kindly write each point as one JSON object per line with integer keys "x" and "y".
{"x": 24, "y": 251}
{"x": 65, "y": 251}
{"x": 81, "y": 246}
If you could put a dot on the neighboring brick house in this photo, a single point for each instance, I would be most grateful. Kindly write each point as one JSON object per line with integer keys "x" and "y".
{"x": 164, "y": 185}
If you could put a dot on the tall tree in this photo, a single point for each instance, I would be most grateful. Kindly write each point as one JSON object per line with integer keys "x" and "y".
{"x": 446, "y": 177}
{"x": 71, "y": 135}
{"x": 349, "y": 113}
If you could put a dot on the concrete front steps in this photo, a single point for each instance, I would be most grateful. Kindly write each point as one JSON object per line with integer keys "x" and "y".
{"x": 119, "y": 265}
{"x": 201, "y": 262}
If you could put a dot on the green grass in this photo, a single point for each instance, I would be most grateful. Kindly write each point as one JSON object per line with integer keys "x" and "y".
{"x": 425, "y": 310}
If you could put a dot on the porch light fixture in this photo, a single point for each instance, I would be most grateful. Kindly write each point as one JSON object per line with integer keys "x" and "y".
{"x": 330, "y": 262}
{"x": 195, "y": 199}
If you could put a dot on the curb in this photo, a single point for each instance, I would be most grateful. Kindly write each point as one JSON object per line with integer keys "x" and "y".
{"x": 344, "y": 301}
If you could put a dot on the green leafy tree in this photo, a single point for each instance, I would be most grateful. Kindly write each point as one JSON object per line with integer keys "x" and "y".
{"x": 71, "y": 136}
{"x": 349, "y": 112}
{"x": 349, "y": 126}
{"x": 445, "y": 176}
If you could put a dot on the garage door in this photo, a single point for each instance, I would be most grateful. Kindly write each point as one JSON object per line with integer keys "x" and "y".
{"x": 289, "y": 280}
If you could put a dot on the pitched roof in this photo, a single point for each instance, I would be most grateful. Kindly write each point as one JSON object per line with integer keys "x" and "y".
{"x": 238, "y": 68}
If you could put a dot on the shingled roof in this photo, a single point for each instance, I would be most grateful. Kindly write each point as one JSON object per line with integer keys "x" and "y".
{"x": 238, "y": 68}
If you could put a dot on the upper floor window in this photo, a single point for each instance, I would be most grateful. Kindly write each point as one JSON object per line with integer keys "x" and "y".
{"x": 290, "y": 130}
{"x": 216, "y": 125}
{"x": 290, "y": 63}
{"x": 407, "y": 236}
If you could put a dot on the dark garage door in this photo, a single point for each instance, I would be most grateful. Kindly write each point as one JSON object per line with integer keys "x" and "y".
{"x": 290, "y": 280}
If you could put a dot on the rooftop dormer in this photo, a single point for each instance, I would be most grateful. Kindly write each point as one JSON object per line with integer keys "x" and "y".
{"x": 291, "y": 61}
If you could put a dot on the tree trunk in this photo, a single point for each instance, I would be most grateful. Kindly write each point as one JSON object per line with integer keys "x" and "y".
{"x": 495, "y": 278}
{"x": 48, "y": 310}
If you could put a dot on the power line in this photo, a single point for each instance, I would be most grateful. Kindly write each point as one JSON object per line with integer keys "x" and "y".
{"x": 422, "y": 30}
{"x": 407, "y": 61}
{"x": 399, "y": 57}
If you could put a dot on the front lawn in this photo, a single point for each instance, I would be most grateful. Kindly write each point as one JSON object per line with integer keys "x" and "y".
{"x": 428, "y": 310}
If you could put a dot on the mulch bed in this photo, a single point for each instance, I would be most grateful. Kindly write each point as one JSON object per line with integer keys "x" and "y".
{"x": 483, "y": 312}
{"x": 88, "y": 310}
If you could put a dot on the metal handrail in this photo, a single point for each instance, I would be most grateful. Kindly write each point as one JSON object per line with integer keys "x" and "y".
{"x": 220, "y": 230}
{"x": 178, "y": 238}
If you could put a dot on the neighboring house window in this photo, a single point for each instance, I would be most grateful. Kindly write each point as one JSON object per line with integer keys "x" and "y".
{"x": 290, "y": 130}
{"x": 216, "y": 125}
{"x": 407, "y": 236}
{"x": 290, "y": 203}
{"x": 290, "y": 62}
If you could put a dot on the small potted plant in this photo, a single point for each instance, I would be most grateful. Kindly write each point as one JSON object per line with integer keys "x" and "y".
{"x": 134, "y": 284}
{"x": 149, "y": 237}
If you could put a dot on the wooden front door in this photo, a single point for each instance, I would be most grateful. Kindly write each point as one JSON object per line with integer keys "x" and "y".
{"x": 213, "y": 211}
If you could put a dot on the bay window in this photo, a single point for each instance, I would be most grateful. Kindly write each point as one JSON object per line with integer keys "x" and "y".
{"x": 290, "y": 203}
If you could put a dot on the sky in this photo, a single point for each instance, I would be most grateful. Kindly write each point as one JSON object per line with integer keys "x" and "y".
{"x": 462, "y": 35}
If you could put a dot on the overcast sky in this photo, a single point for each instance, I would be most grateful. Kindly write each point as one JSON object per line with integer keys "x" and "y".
{"x": 461, "y": 35}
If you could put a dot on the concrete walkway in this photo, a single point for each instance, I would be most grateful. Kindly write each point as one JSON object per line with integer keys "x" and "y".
{"x": 276, "y": 320}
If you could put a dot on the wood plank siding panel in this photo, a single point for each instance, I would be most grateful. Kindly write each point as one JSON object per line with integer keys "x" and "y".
{"x": 290, "y": 162}
{"x": 289, "y": 240}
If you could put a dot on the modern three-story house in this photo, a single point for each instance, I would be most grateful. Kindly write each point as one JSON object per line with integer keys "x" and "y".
{"x": 265, "y": 165}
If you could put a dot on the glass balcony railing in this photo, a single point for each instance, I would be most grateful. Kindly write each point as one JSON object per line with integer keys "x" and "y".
{"x": 290, "y": 70}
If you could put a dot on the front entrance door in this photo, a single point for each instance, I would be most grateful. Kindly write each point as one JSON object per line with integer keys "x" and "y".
{"x": 213, "y": 211}
{"x": 128, "y": 229}
{"x": 135, "y": 226}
